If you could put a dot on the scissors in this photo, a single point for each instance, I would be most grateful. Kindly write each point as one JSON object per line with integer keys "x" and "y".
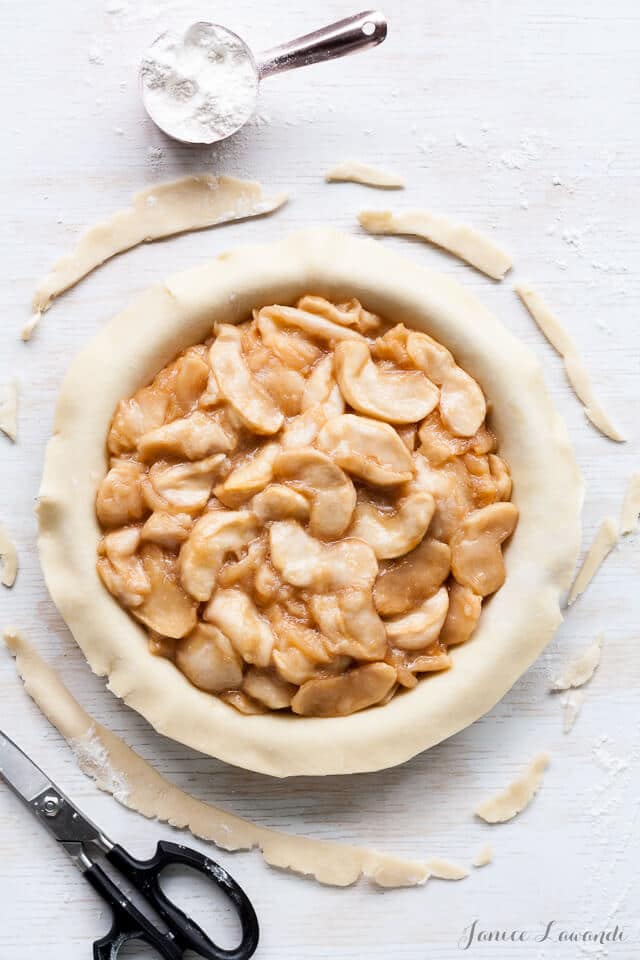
{"x": 77, "y": 834}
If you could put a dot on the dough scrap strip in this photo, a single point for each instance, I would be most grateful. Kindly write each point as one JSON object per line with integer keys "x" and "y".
{"x": 9, "y": 557}
{"x": 483, "y": 856}
{"x": 445, "y": 870}
{"x": 571, "y": 707}
{"x": 575, "y": 369}
{"x": 459, "y": 239}
{"x": 630, "y": 506}
{"x": 178, "y": 206}
{"x": 581, "y": 670}
{"x": 575, "y": 676}
{"x": 9, "y": 410}
{"x": 134, "y": 783}
{"x": 517, "y": 796}
{"x": 605, "y": 540}
{"x": 354, "y": 172}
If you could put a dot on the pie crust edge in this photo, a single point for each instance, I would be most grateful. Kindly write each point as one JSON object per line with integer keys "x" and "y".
{"x": 515, "y": 625}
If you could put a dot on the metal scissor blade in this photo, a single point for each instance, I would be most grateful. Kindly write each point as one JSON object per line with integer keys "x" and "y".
{"x": 21, "y": 773}
{"x": 46, "y": 801}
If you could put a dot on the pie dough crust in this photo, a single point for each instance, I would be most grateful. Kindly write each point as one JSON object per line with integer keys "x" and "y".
{"x": 134, "y": 783}
{"x": 515, "y": 626}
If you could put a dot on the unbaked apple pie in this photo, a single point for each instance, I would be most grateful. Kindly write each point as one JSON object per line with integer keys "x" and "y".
{"x": 307, "y": 510}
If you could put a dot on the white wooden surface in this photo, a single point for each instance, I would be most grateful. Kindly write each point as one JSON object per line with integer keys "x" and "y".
{"x": 520, "y": 117}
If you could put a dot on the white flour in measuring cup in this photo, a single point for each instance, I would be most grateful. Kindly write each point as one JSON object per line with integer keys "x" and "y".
{"x": 201, "y": 86}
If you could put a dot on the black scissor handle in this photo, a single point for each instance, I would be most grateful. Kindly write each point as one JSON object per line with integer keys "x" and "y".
{"x": 128, "y": 922}
{"x": 145, "y": 876}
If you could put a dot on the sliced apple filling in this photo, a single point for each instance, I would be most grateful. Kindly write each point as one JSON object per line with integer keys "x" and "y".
{"x": 306, "y": 511}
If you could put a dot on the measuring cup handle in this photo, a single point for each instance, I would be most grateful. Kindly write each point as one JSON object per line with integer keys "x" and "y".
{"x": 360, "y": 32}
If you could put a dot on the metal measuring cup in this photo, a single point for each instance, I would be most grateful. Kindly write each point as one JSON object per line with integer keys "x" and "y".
{"x": 360, "y": 32}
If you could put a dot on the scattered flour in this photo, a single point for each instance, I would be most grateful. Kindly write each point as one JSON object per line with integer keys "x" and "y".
{"x": 607, "y": 795}
{"x": 95, "y": 56}
{"x": 613, "y": 268}
{"x": 93, "y": 760}
{"x": 512, "y": 161}
{"x": 263, "y": 119}
{"x": 531, "y": 145}
{"x": 573, "y": 237}
{"x": 608, "y": 761}
{"x": 155, "y": 156}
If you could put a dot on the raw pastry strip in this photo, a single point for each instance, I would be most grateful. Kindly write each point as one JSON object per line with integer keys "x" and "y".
{"x": 463, "y": 241}
{"x": 483, "y": 856}
{"x": 571, "y": 707}
{"x": 573, "y": 364}
{"x": 354, "y": 172}
{"x": 9, "y": 411}
{"x": 630, "y": 506}
{"x": 9, "y": 557}
{"x": 605, "y": 541}
{"x": 178, "y": 206}
{"x": 582, "y": 668}
{"x": 445, "y": 870}
{"x": 517, "y": 796}
{"x": 133, "y": 782}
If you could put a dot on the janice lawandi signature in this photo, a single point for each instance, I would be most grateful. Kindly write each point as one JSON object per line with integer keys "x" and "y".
{"x": 553, "y": 931}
